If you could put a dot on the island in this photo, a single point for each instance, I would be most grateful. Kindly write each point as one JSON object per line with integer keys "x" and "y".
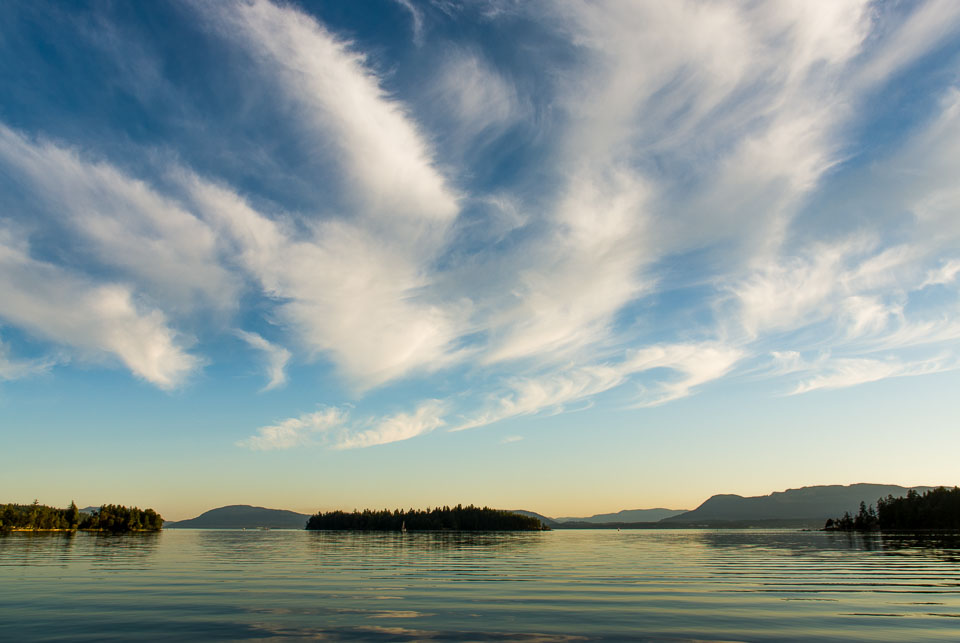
{"x": 457, "y": 518}
{"x": 935, "y": 509}
{"x": 108, "y": 518}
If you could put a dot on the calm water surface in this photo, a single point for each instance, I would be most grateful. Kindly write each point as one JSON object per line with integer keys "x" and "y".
{"x": 560, "y": 585}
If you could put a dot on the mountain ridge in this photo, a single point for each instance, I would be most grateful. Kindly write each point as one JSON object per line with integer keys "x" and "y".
{"x": 811, "y": 505}
{"x": 550, "y": 522}
{"x": 628, "y": 515}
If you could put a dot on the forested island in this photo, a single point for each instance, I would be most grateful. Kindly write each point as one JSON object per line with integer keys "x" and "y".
{"x": 934, "y": 509}
{"x": 109, "y": 518}
{"x": 457, "y": 518}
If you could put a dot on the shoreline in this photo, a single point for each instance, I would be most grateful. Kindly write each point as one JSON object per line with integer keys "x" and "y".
{"x": 91, "y": 531}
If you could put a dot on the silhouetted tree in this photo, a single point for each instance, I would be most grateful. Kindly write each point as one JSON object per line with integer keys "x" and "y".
{"x": 108, "y": 518}
{"x": 459, "y": 518}
{"x": 935, "y": 509}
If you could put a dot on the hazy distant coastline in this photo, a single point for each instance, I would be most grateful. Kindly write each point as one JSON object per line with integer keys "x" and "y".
{"x": 626, "y": 516}
{"x": 802, "y": 508}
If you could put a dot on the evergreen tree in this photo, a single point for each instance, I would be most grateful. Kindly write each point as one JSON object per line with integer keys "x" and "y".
{"x": 459, "y": 518}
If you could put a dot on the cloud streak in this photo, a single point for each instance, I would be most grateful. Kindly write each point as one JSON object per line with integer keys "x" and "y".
{"x": 846, "y": 372}
{"x": 97, "y": 320}
{"x": 695, "y": 364}
{"x": 335, "y": 428}
{"x": 277, "y": 358}
{"x": 13, "y": 369}
{"x": 122, "y": 222}
{"x": 294, "y": 432}
{"x": 382, "y": 152}
{"x": 343, "y": 292}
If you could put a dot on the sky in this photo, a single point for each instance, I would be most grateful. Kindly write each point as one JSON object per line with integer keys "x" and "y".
{"x": 570, "y": 257}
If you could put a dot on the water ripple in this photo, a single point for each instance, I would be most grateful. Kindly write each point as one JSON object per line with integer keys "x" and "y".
{"x": 650, "y": 585}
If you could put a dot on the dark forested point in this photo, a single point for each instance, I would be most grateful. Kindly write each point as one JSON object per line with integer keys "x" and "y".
{"x": 457, "y": 518}
{"x": 934, "y": 509}
{"x": 112, "y": 518}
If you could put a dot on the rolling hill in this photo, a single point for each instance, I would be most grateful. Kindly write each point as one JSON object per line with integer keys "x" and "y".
{"x": 242, "y": 517}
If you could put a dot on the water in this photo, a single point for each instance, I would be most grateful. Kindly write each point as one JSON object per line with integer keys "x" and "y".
{"x": 550, "y": 586}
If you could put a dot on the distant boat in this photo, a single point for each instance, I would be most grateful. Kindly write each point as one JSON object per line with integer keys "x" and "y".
{"x": 403, "y": 527}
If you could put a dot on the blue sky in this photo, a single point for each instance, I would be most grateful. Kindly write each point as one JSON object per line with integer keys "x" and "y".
{"x": 571, "y": 257}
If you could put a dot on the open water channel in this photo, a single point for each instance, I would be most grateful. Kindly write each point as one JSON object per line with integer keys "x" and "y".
{"x": 540, "y": 586}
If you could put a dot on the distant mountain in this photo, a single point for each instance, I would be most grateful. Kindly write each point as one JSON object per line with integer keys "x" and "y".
{"x": 242, "y": 517}
{"x": 549, "y": 522}
{"x": 629, "y": 515}
{"x": 809, "y": 506}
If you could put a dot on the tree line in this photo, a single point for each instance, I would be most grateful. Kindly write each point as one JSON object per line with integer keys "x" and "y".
{"x": 113, "y": 518}
{"x": 457, "y": 518}
{"x": 934, "y": 509}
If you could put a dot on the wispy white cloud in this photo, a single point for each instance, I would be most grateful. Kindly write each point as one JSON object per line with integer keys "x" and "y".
{"x": 922, "y": 176}
{"x": 479, "y": 101}
{"x": 784, "y": 362}
{"x": 345, "y": 293}
{"x": 768, "y": 123}
{"x": 277, "y": 358}
{"x": 394, "y": 428}
{"x": 121, "y": 222}
{"x": 744, "y": 97}
{"x": 945, "y": 274}
{"x": 529, "y": 395}
{"x": 293, "y": 432}
{"x": 416, "y": 18}
{"x": 380, "y": 149}
{"x": 846, "y": 372}
{"x": 928, "y": 25}
{"x": 856, "y": 297}
{"x": 356, "y": 288}
{"x": 96, "y": 320}
{"x": 943, "y": 329}
{"x": 14, "y": 369}
{"x": 853, "y": 280}
{"x": 790, "y": 292}
{"x": 695, "y": 363}
{"x": 335, "y": 428}
{"x": 866, "y": 314}
{"x": 588, "y": 268}
{"x": 849, "y": 298}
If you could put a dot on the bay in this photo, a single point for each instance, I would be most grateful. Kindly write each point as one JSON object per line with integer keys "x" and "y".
{"x": 729, "y": 585}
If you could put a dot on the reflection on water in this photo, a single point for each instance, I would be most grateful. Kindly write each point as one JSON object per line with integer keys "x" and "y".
{"x": 798, "y": 542}
{"x": 555, "y": 586}
{"x": 32, "y": 549}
